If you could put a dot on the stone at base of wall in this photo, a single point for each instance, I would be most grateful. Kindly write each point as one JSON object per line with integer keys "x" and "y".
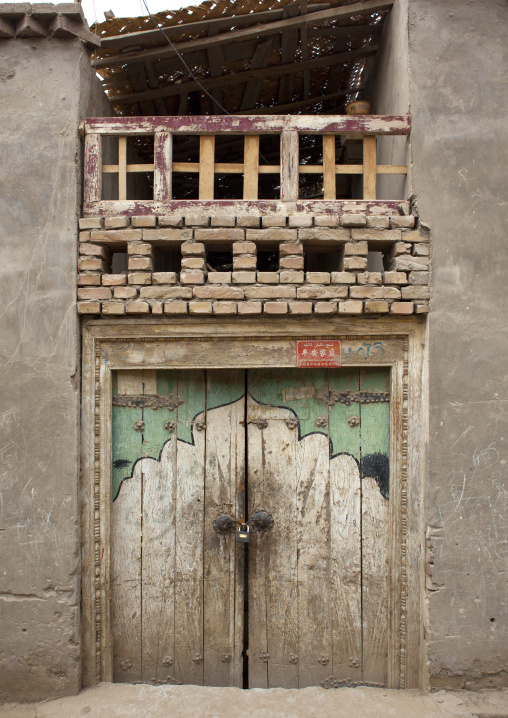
{"x": 353, "y": 264}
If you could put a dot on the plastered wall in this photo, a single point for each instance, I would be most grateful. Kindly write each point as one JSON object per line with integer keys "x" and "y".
{"x": 47, "y": 87}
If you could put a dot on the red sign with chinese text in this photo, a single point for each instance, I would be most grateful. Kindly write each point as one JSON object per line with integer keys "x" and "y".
{"x": 325, "y": 353}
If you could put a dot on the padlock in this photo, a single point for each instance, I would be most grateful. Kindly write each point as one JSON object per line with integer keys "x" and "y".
{"x": 243, "y": 534}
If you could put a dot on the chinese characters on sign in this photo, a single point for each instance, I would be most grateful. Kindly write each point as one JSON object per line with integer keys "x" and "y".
{"x": 318, "y": 353}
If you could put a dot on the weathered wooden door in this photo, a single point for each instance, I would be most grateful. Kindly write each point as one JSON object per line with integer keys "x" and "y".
{"x": 315, "y": 610}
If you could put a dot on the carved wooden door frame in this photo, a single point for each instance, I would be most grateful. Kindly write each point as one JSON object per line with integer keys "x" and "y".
{"x": 110, "y": 345}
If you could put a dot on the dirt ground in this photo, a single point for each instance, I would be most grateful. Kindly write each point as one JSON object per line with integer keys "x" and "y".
{"x": 125, "y": 701}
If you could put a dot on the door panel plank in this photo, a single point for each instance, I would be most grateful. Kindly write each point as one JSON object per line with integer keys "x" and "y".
{"x": 223, "y": 556}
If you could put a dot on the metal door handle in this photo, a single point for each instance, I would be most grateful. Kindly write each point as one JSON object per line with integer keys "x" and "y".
{"x": 261, "y": 520}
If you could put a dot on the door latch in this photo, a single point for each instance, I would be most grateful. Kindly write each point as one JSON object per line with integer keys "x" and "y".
{"x": 261, "y": 520}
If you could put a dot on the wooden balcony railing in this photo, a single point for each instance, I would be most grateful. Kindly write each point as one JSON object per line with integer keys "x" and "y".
{"x": 361, "y": 129}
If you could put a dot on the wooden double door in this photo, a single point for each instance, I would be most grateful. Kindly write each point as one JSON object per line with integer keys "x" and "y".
{"x": 306, "y": 602}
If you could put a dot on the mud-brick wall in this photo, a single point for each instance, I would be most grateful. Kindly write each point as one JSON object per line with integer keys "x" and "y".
{"x": 446, "y": 63}
{"x": 46, "y": 87}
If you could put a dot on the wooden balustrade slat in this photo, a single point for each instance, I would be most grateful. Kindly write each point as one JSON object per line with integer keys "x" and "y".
{"x": 112, "y": 169}
{"x": 329, "y": 174}
{"x": 206, "y": 166}
{"x": 93, "y": 167}
{"x": 122, "y": 168}
{"x": 369, "y": 167}
{"x": 251, "y": 166}
{"x": 163, "y": 156}
{"x": 289, "y": 160}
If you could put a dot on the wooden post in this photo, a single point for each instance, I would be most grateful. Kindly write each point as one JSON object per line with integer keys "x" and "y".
{"x": 369, "y": 167}
{"x": 122, "y": 167}
{"x": 206, "y": 166}
{"x": 162, "y": 158}
{"x": 289, "y": 161}
{"x": 93, "y": 168}
{"x": 251, "y": 167}
{"x": 329, "y": 174}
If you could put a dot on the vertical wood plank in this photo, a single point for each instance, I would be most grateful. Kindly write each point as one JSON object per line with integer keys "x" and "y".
{"x": 329, "y": 174}
{"x": 189, "y": 533}
{"x": 375, "y": 455}
{"x": 369, "y": 167}
{"x": 163, "y": 161}
{"x": 289, "y": 161}
{"x": 206, "y": 166}
{"x": 223, "y": 556}
{"x": 93, "y": 167}
{"x": 251, "y": 167}
{"x": 122, "y": 167}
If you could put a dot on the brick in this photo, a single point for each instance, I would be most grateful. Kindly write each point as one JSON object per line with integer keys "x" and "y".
{"x": 192, "y": 277}
{"x": 219, "y": 277}
{"x": 94, "y": 250}
{"x": 94, "y": 293}
{"x": 300, "y": 307}
{"x": 374, "y": 293}
{"x": 89, "y": 308}
{"x": 402, "y": 308}
{"x": 167, "y": 235}
{"x": 290, "y": 249}
{"x": 270, "y": 292}
{"x": 376, "y": 307}
{"x": 401, "y": 248}
{"x": 244, "y": 248}
{"x": 224, "y": 308}
{"x": 395, "y": 278}
{"x": 146, "y": 221}
{"x": 164, "y": 277}
{"x": 325, "y": 308}
{"x": 244, "y": 277}
{"x": 196, "y": 220}
{"x": 275, "y": 220}
{"x": 223, "y": 221}
{"x": 135, "y": 306}
{"x": 268, "y": 277}
{"x": 291, "y": 262}
{"x": 354, "y": 263}
{"x": 350, "y": 307}
{"x": 343, "y": 278}
{"x": 114, "y": 280}
{"x": 137, "y": 264}
{"x": 250, "y": 308}
{"x": 125, "y": 292}
{"x": 114, "y": 236}
{"x": 113, "y": 308}
{"x": 300, "y": 220}
{"x": 139, "y": 278}
{"x": 116, "y": 222}
{"x": 275, "y": 308}
{"x": 171, "y": 220}
{"x": 416, "y": 235}
{"x": 372, "y": 278}
{"x": 422, "y": 308}
{"x": 421, "y": 250}
{"x": 92, "y": 264}
{"x": 409, "y": 264}
{"x": 157, "y": 307}
{"x": 90, "y": 223}
{"x": 324, "y": 234}
{"x": 175, "y": 307}
{"x": 195, "y": 249}
{"x": 193, "y": 263}
{"x": 219, "y": 292}
{"x": 415, "y": 292}
{"x": 356, "y": 249}
{"x": 223, "y": 234}
{"x": 319, "y": 292}
{"x": 353, "y": 220}
{"x": 402, "y": 222}
{"x": 248, "y": 221}
{"x": 88, "y": 280}
{"x": 326, "y": 221}
{"x": 378, "y": 222}
{"x": 165, "y": 292}
{"x": 318, "y": 277}
{"x": 289, "y": 277}
{"x": 271, "y": 235}
{"x": 374, "y": 235}
{"x": 419, "y": 277}
{"x": 141, "y": 248}
{"x": 242, "y": 262}
{"x": 84, "y": 236}
{"x": 200, "y": 307}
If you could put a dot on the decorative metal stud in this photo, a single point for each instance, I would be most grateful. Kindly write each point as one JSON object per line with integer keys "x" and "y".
{"x": 264, "y": 657}
{"x": 324, "y": 660}
{"x": 291, "y": 423}
{"x": 261, "y": 423}
{"x": 293, "y": 658}
{"x": 139, "y": 425}
{"x": 353, "y": 421}
{"x": 167, "y": 661}
{"x": 200, "y": 425}
{"x": 125, "y": 665}
{"x": 354, "y": 662}
{"x": 321, "y": 421}
{"x": 197, "y": 658}
{"x": 170, "y": 426}
{"x": 226, "y": 658}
